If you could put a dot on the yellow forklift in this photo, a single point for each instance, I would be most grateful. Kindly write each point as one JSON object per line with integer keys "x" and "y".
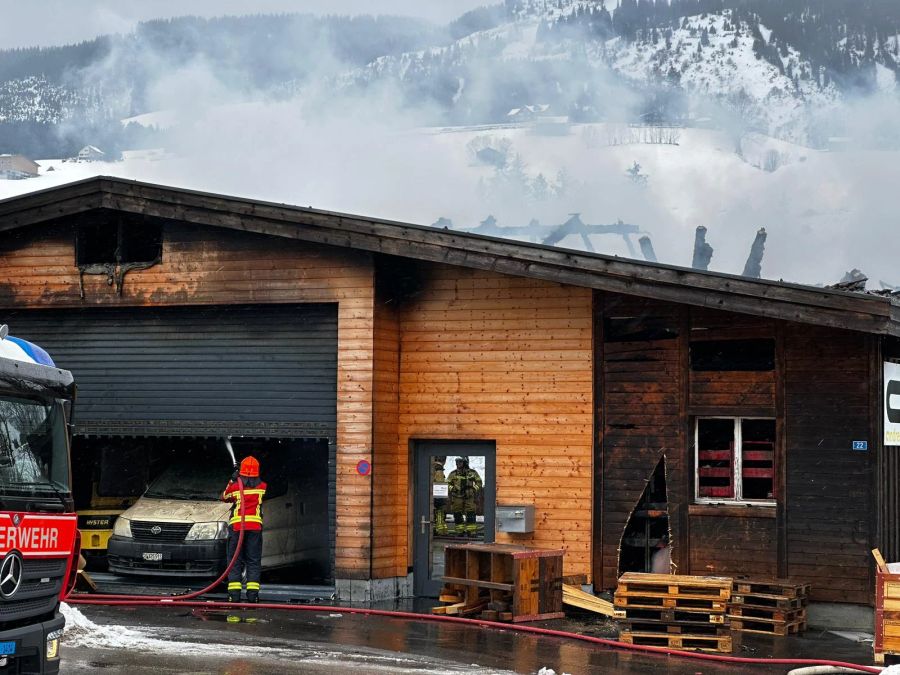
{"x": 114, "y": 473}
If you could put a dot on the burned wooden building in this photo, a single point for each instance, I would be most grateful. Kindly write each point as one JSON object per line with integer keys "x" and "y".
{"x": 627, "y": 403}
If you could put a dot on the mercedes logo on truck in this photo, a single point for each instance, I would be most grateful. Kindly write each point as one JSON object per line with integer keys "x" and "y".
{"x": 10, "y": 574}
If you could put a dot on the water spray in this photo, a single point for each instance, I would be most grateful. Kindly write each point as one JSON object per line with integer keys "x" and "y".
{"x": 230, "y": 450}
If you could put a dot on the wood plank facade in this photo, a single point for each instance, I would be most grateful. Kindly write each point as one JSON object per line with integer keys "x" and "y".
{"x": 486, "y": 356}
{"x": 819, "y": 527}
{"x": 585, "y": 373}
{"x": 37, "y": 270}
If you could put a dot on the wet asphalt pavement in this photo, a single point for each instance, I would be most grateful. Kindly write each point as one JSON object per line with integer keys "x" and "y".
{"x": 179, "y": 640}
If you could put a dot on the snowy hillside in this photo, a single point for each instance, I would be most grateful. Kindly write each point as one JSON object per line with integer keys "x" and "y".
{"x": 713, "y": 57}
{"x": 34, "y": 99}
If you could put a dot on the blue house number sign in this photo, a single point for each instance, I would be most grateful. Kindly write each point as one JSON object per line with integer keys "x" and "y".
{"x": 860, "y": 445}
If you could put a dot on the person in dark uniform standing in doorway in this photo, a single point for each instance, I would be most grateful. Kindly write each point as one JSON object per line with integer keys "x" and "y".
{"x": 464, "y": 484}
{"x": 248, "y": 509}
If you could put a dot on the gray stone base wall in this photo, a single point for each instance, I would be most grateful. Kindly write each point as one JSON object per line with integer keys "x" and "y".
{"x": 373, "y": 590}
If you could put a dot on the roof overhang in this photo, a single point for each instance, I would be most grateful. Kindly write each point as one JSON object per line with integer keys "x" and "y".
{"x": 773, "y": 299}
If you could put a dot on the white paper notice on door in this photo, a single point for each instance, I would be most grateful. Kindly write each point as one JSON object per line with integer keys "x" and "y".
{"x": 440, "y": 490}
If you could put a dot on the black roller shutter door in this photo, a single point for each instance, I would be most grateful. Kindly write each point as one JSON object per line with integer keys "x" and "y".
{"x": 260, "y": 370}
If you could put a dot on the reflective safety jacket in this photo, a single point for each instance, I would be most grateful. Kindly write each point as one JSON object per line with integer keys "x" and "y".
{"x": 464, "y": 483}
{"x": 250, "y": 507}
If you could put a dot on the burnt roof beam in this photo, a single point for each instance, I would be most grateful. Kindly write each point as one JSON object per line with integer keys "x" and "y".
{"x": 772, "y": 299}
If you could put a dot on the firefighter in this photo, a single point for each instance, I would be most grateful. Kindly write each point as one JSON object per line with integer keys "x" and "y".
{"x": 249, "y": 560}
{"x": 464, "y": 485}
{"x": 440, "y": 502}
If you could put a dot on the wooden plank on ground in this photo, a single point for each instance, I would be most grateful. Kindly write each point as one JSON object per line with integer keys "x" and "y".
{"x": 575, "y": 597}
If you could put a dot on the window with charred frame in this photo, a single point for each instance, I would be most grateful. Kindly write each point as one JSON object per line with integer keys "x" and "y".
{"x": 638, "y": 328}
{"x": 110, "y": 242}
{"x": 96, "y": 243}
{"x": 734, "y": 355}
{"x": 735, "y": 460}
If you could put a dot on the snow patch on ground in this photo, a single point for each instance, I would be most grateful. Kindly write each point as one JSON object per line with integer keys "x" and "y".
{"x": 82, "y": 632}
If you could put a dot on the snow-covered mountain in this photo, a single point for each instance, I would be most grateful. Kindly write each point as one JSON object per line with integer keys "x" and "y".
{"x": 776, "y": 67}
{"x": 708, "y": 66}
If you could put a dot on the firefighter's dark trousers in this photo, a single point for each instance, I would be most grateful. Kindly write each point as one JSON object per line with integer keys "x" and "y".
{"x": 248, "y": 563}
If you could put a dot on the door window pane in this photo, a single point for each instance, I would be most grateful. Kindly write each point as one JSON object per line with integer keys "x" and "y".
{"x": 457, "y": 504}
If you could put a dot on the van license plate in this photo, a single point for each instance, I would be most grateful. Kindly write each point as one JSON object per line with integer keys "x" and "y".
{"x": 153, "y": 557}
{"x": 7, "y": 648}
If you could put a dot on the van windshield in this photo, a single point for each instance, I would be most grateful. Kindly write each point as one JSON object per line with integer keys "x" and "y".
{"x": 190, "y": 480}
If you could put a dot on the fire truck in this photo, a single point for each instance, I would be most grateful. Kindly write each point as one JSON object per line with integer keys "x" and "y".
{"x": 38, "y": 534}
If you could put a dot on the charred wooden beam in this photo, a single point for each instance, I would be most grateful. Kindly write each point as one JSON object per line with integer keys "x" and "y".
{"x": 702, "y": 251}
{"x": 854, "y": 280}
{"x": 647, "y": 249}
{"x": 753, "y": 266}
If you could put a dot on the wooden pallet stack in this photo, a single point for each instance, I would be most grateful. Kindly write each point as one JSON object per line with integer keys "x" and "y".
{"x": 676, "y": 611}
{"x": 770, "y": 607}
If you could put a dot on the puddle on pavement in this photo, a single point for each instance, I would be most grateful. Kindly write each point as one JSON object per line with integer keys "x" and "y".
{"x": 227, "y": 617}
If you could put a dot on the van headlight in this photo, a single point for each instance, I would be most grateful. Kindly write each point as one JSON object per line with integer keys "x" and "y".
{"x": 122, "y": 528}
{"x": 200, "y": 531}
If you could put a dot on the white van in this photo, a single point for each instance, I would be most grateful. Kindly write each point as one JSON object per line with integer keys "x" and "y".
{"x": 179, "y": 526}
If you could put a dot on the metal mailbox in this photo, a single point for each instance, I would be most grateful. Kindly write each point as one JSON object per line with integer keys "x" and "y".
{"x": 515, "y": 518}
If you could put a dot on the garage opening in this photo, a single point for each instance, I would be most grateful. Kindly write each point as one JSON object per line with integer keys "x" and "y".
{"x": 175, "y": 484}
{"x": 158, "y": 391}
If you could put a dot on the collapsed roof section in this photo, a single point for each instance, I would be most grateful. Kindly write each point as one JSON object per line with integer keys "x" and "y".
{"x": 774, "y": 299}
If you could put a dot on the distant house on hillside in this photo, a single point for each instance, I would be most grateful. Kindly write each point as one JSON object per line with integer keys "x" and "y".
{"x": 91, "y": 153}
{"x": 15, "y": 167}
{"x": 527, "y": 113}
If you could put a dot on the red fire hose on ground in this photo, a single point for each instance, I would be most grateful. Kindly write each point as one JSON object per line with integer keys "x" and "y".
{"x": 188, "y": 600}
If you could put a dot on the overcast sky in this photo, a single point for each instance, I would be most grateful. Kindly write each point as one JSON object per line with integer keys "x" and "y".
{"x": 56, "y": 22}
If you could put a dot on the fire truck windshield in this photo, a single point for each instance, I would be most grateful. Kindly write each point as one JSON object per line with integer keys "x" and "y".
{"x": 33, "y": 448}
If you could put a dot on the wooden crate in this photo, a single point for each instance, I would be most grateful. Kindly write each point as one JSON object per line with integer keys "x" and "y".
{"x": 887, "y": 615}
{"x": 503, "y": 581}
